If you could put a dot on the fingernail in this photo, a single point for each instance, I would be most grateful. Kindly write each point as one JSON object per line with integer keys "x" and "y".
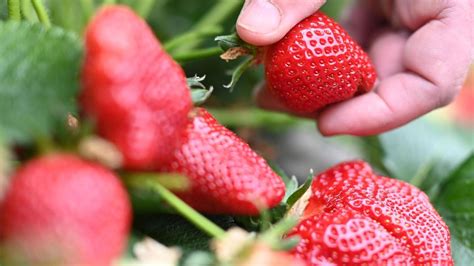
{"x": 260, "y": 16}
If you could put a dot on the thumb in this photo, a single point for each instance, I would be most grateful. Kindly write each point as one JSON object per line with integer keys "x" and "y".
{"x": 263, "y": 22}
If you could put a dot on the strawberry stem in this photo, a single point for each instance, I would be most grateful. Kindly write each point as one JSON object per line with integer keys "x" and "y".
{"x": 144, "y": 7}
{"x": 40, "y": 10}
{"x": 191, "y": 36}
{"x": 189, "y": 213}
{"x": 197, "y": 54}
{"x": 150, "y": 181}
{"x": 215, "y": 16}
{"x": 14, "y": 11}
{"x": 255, "y": 118}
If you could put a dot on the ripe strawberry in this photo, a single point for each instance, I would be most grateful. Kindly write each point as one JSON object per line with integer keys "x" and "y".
{"x": 317, "y": 64}
{"x": 355, "y": 217}
{"x": 133, "y": 89}
{"x": 61, "y": 210}
{"x": 226, "y": 175}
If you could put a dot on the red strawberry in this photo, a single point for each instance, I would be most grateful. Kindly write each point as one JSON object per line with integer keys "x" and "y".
{"x": 135, "y": 91}
{"x": 61, "y": 210}
{"x": 355, "y": 217}
{"x": 226, "y": 175}
{"x": 317, "y": 64}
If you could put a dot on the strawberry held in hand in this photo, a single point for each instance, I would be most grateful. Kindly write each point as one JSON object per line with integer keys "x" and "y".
{"x": 317, "y": 64}
{"x": 133, "y": 89}
{"x": 354, "y": 217}
{"x": 61, "y": 210}
{"x": 226, "y": 175}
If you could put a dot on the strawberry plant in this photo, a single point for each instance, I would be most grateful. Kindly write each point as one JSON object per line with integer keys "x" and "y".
{"x": 116, "y": 150}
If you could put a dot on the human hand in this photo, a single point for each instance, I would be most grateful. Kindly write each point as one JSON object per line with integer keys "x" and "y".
{"x": 421, "y": 50}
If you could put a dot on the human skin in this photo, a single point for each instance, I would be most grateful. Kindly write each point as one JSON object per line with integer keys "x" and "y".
{"x": 421, "y": 49}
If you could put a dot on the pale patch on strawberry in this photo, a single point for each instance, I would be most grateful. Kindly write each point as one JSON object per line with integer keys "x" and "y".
{"x": 241, "y": 248}
{"x": 229, "y": 246}
{"x": 264, "y": 255}
{"x": 150, "y": 252}
{"x": 72, "y": 123}
{"x": 102, "y": 151}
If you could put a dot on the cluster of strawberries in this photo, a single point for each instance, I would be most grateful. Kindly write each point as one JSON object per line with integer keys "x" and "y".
{"x": 61, "y": 208}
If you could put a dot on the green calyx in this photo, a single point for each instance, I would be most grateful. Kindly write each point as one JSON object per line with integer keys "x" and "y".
{"x": 199, "y": 92}
{"x": 234, "y": 47}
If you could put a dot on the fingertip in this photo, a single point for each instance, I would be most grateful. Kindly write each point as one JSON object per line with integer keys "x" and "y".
{"x": 255, "y": 30}
{"x": 263, "y": 22}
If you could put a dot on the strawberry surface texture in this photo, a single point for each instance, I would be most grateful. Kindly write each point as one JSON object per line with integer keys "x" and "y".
{"x": 135, "y": 92}
{"x": 62, "y": 210}
{"x": 226, "y": 175}
{"x": 355, "y": 217}
{"x": 316, "y": 64}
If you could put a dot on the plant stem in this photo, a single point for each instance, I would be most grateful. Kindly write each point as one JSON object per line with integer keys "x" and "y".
{"x": 255, "y": 118}
{"x": 144, "y": 7}
{"x": 191, "y": 36}
{"x": 14, "y": 10}
{"x": 41, "y": 12}
{"x": 180, "y": 206}
{"x": 189, "y": 213}
{"x": 197, "y": 54}
{"x": 214, "y": 17}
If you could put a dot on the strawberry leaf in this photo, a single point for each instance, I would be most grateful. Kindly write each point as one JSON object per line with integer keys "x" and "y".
{"x": 38, "y": 79}
{"x": 238, "y": 71}
{"x": 292, "y": 198}
{"x": 233, "y": 40}
{"x": 455, "y": 203}
{"x": 409, "y": 153}
{"x": 199, "y": 92}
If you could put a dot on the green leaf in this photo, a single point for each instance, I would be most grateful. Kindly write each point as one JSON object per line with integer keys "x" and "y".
{"x": 265, "y": 220}
{"x": 239, "y": 71}
{"x": 199, "y": 92}
{"x": 38, "y": 79}
{"x": 455, "y": 203}
{"x": 424, "y": 153}
{"x": 295, "y": 196}
{"x": 462, "y": 255}
{"x": 291, "y": 188}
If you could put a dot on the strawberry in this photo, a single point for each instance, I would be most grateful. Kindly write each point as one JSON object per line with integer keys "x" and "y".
{"x": 317, "y": 64}
{"x": 61, "y": 210}
{"x": 133, "y": 89}
{"x": 355, "y": 217}
{"x": 226, "y": 175}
